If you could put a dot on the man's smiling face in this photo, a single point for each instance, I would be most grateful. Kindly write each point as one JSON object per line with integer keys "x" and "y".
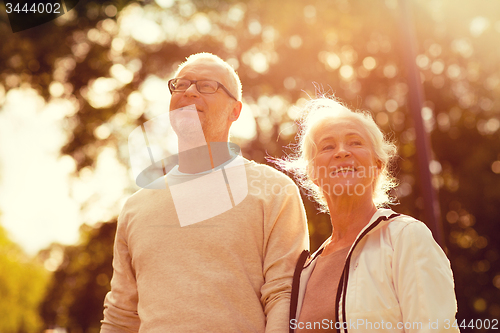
{"x": 216, "y": 111}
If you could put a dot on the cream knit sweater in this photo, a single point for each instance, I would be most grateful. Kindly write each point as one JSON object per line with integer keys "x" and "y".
{"x": 230, "y": 273}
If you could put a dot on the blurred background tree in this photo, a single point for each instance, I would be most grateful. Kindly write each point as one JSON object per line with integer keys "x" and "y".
{"x": 23, "y": 282}
{"x": 112, "y": 61}
{"x": 76, "y": 291}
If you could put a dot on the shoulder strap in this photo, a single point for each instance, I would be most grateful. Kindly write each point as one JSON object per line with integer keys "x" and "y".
{"x": 295, "y": 286}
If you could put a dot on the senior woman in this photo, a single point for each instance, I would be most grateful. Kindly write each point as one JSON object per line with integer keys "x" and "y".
{"x": 379, "y": 271}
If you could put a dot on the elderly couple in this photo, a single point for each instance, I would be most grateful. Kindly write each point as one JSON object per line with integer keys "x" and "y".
{"x": 248, "y": 268}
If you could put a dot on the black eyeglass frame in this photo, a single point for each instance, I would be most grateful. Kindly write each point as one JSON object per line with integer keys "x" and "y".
{"x": 219, "y": 85}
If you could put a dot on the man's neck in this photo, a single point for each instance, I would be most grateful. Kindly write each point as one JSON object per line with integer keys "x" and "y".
{"x": 203, "y": 158}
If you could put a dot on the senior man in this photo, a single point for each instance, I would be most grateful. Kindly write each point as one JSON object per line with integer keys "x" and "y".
{"x": 228, "y": 271}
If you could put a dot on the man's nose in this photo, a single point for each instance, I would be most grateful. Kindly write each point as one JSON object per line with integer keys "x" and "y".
{"x": 192, "y": 90}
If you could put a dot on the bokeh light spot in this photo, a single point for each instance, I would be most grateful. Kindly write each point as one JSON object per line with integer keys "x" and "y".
{"x": 230, "y": 42}
{"x": 496, "y": 281}
{"x": 295, "y": 41}
{"x": 289, "y": 83}
{"x": 391, "y": 105}
{"x": 202, "y": 23}
{"x": 437, "y": 67}
{"x": 479, "y": 305}
{"x": 435, "y": 167}
{"x": 121, "y": 73}
{"x": 481, "y": 266}
{"x": 310, "y": 12}
{"x": 403, "y": 190}
{"x": 478, "y": 25}
{"x": 495, "y": 167}
{"x": 435, "y": 50}
{"x": 102, "y": 279}
{"x": 165, "y": 3}
{"x": 423, "y": 61}
{"x": 56, "y": 89}
{"x": 245, "y": 127}
{"x": 390, "y": 71}
{"x": 443, "y": 121}
{"x": 452, "y": 217}
{"x": 346, "y": 72}
{"x": 102, "y": 132}
{"x": 463, "y": 47}
{"x": 427, "y": 113}
{"x": 236, "y": 13}
{"x": 155, "y": 89}
{"x": 110, "y": 11}
{"x": 488, "y": 127}
{"x": 259, "y": 63}
{"x": 330, "y": 59}
{"x": 369, "y": 63}
{"x": 453, "y": 71}
{"x": 254, "y": 27}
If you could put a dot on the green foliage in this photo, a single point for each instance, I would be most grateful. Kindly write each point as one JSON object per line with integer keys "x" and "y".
{"x": 22, "y": 288}
{"x": 349, "y": 48}
{"x": 75, "y": 294}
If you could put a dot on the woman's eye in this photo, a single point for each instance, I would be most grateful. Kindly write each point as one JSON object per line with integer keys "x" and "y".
{"x": 356, "y": 143}
{"x": 327, "y": 147}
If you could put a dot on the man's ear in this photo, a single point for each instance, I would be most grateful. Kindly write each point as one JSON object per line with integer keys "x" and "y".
{"x": 235, "y": 111}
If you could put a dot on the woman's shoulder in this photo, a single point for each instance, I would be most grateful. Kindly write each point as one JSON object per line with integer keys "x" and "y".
{"x": 404, "y": 224}
{"x": 403, "y": 220}
{"x": 406, "y": 230}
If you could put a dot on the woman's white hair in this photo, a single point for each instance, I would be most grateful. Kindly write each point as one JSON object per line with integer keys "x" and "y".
{"x": 315, "y": 114}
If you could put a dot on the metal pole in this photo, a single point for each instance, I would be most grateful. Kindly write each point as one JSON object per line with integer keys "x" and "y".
{"x": 422, "y": 142}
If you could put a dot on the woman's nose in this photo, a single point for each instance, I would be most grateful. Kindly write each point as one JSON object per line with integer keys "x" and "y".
{"x": 342, "y": 152}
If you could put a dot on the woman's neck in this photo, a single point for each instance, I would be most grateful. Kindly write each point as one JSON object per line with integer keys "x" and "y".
{"x": 348, "y": 215}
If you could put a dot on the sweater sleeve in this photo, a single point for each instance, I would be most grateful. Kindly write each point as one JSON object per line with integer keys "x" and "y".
{"x": 287, "y": 237}
{"x": 120, "y": 304}
{"x": 423, "y": 281}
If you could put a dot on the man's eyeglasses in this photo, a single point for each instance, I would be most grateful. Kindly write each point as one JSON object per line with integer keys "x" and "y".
{"x": 203, "y": 86}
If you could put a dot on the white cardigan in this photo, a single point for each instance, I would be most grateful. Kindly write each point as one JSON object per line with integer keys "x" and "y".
{"x": 398, "y": 280}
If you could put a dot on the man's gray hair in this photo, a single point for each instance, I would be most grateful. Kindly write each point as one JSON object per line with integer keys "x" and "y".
{"x": 235, "y": 87}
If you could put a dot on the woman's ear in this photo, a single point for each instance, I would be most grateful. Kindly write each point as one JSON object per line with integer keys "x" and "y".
{"x": 378, "y": 170}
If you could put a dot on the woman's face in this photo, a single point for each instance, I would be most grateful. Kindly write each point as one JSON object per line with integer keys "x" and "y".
{"x": 345, "y": 163}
